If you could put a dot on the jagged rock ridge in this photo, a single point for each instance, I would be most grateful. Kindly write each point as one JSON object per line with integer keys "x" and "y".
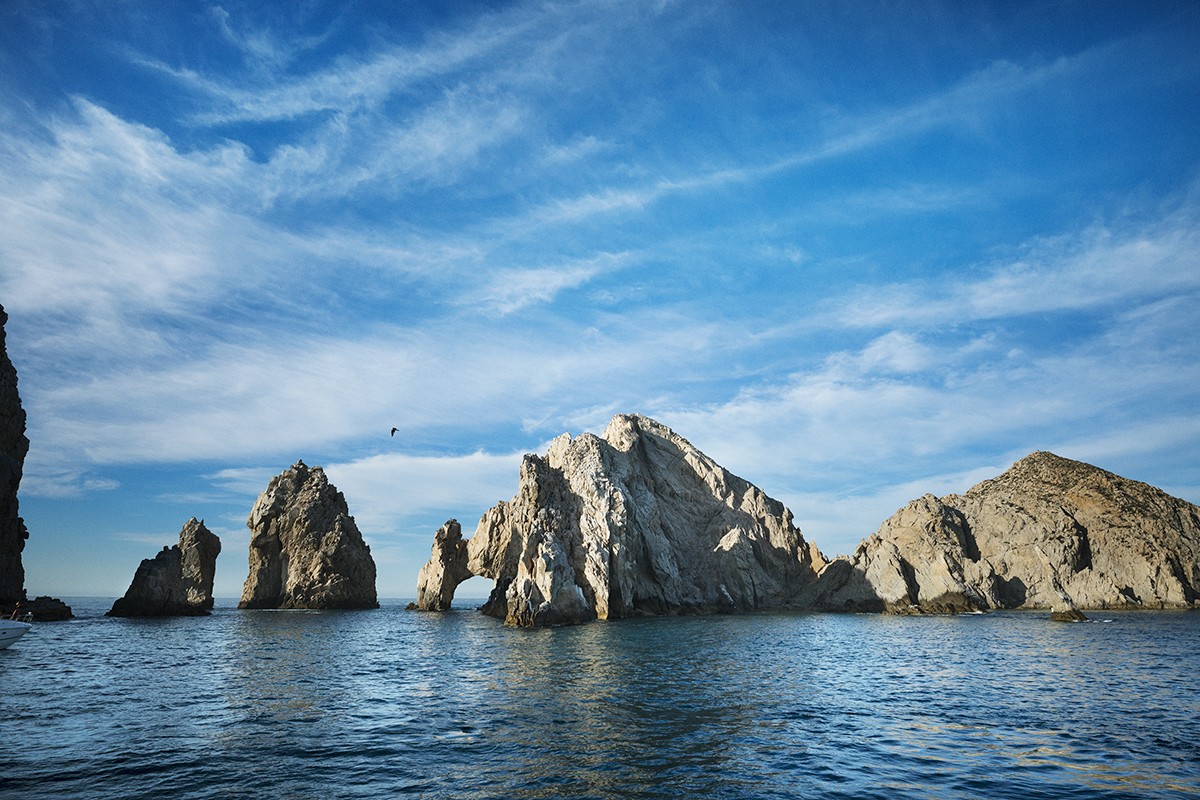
{"x": 1049, "y": 533}
{"x": 305, "y": 549}
{"x": 635, "y": 522}
{"x": 176, "y": 582}
{"x": 13, "y": 448}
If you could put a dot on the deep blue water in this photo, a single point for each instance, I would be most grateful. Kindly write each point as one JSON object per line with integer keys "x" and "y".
{"x": 391, "y": 703}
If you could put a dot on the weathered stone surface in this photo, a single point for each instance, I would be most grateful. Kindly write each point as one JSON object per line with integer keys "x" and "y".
{"x": 445, "y": 570}
{"x": 1067, "y": 612}
{"x": 13, "y": 448}
{"x": 1049, "y": 532}
{"x": 305, "y": 549}
{"x": 178, "y": 581}
{"x": 635, "y": 522}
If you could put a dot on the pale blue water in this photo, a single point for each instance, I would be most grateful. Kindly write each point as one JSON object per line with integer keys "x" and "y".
{"x": 390, "y": 703}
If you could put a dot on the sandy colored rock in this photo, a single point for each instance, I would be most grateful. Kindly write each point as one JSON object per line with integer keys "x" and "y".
{"x": 445, "y": 570}
{"x": 1048, "y": 533}
{"x": 305, "y": 549}
{"x": 176, "y": 582}
{"x": 635, "y": 522}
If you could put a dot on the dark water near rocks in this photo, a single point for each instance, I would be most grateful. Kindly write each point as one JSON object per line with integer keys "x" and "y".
{"x": 395, "y": 704}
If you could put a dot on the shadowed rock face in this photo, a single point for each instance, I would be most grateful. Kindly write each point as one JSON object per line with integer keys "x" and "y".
{"x": 13, "y": 448}
{"x": 635, "y": 522}
{"x": 1049, "y": 533}
{"x": 305, "y": 549}
{"x": 176, "y": 582}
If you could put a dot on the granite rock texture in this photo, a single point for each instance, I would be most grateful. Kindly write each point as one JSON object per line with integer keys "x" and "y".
{"x": 13, "y": 448}
{"x": 305, "y": 548}
{"x": 178, "y": 581}
{"x": 1050, "y": 533}
{"x": 634, "y": 522}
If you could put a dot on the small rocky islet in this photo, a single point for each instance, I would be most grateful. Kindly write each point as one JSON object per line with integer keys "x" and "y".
{"x": 639, "y": 522}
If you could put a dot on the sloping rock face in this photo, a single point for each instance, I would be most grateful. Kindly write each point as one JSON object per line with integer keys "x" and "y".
{"x": 635, "y": 522}
{"x": 178, "y": 581}
{"x": 1050, "y": 533}
{"x": 305, "y": 549}
{"x": 13, "y": 448}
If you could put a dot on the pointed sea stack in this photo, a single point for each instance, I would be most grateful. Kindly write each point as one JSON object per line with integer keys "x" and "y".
{"x": 633, "y": 523}
{"x": 1049, "y": 532}
{"x": 178, "y": 582}
{"x": 305, "y": 549}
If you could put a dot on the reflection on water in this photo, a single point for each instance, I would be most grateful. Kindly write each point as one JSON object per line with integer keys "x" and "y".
{"x": 388, "y": 703}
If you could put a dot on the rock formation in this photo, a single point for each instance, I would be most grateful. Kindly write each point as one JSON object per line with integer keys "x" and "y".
{"x": 13, "y": 447}
{"x": 305, "y": 550}
{"x": 445, "y": 570}
{"x": 635, "y": 522}
{"x": 1049, "y": 533}
{"x": 178, "y": 581}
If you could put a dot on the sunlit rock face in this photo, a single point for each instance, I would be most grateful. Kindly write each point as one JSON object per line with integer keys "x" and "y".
{"x": 305, "y": 549}
{"x": 634, "y": 522}
{"x": 445, "y": 570}
{"x": 1050, "y": 533}
{"x": 13, "y": 448}
{"x": 176, "y": 582}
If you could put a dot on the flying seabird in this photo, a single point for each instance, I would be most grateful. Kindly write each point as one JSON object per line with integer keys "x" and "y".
{"x": 394, "y": 431}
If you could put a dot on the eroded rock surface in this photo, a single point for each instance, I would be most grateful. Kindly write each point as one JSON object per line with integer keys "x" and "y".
{"x": 635, "y": 522}
{"x": 1050, "y": 533}
{"x": 305, "y": 549}
{"x": 176, "y": 582}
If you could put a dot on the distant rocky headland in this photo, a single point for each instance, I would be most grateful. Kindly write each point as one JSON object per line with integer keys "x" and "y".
{"x": 639, "y": 522}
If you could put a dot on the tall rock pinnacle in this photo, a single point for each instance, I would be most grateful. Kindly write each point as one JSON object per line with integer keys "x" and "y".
{"x": 305, "y": 549}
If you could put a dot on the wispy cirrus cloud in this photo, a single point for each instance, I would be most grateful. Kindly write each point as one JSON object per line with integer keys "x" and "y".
{"x": 347, "y": 84}
{"x": 1113, "y": 264}
{"x": 507, "y": 291}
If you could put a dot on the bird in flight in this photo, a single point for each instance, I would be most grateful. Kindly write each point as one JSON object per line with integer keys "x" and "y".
{"x": 394, "y": 431}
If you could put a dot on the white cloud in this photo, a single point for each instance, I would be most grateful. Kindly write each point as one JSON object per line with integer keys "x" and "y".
{"x": 510, "y": 290}
{"x": 387, "y": 490}
{"x": 1101, "y": 266}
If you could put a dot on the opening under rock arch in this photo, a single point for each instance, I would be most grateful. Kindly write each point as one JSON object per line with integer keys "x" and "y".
{"x": 473, "y": 592}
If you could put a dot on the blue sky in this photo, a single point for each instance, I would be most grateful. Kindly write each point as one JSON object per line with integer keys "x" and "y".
{"x": 855, "y": 252}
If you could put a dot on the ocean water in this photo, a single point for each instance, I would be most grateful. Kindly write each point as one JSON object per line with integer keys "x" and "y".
{"x": 389, "y": 703}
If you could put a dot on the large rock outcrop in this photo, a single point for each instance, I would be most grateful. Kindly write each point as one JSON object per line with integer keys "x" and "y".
{"x": 1050, "y": 533}
{"x": 13, "y": 448}
{"x": 635, "y": 522}
{"x": 305, "y": 549}
{"x": 177, "y": 582}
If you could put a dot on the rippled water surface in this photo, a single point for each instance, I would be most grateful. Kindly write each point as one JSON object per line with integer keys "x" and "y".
{"x": 391, "y": 703}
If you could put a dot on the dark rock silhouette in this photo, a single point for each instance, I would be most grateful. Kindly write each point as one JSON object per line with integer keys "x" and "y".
{"x": 176, "y": 582}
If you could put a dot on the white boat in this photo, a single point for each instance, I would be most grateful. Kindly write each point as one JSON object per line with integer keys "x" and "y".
{"x": 11, "y": 630}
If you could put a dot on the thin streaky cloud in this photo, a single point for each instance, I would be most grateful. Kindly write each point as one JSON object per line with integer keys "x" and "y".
{"x": 963, "y": 105}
